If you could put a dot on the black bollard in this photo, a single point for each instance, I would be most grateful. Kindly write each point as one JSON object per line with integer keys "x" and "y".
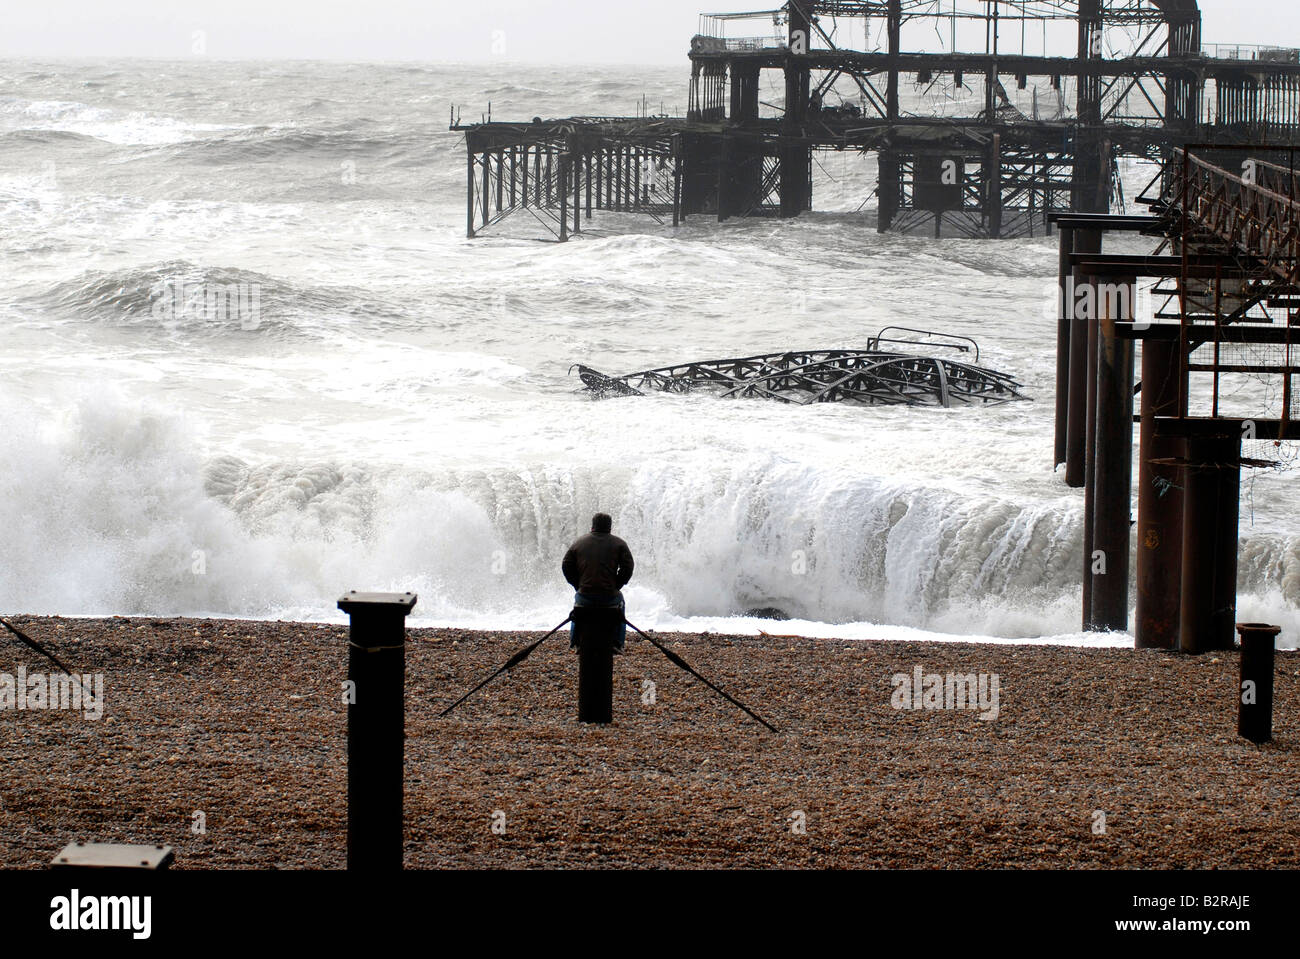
{"x": 596, "y": 630}
{"x": 376, "y": 727}
{"x": 1255, "y": 706}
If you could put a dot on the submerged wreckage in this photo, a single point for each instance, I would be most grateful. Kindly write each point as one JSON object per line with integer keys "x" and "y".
{"x": 871, "y": 376}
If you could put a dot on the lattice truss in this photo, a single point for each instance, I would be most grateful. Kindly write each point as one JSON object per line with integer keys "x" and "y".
{"x": 1238, "y": 206}
{"x": 581, "y": 163}
{"x": 870, "y": 377}
{"x": 1130, "y": 30}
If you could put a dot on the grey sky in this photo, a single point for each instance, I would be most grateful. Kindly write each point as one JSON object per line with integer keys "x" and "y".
{"x": 545, "y": 31}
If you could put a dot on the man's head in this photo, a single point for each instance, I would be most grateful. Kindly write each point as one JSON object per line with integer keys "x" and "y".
{"x": 601, "y": 523}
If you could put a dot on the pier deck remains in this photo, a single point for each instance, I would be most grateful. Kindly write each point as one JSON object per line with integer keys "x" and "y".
{"x": 1020, "y": 114}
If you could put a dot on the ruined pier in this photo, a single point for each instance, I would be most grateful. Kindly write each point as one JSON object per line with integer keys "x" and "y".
{"x": 985, "y": 119}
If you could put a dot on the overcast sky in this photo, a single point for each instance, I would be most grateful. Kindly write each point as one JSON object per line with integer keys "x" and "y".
{"x": 547, "y": 31}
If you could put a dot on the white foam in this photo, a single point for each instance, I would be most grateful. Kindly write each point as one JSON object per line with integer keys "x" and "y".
{"x": 123, "y": 128}
{"x": 116, "y": 511}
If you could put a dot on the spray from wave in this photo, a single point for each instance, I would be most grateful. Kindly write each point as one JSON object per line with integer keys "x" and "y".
{"x": 116, "y": 511}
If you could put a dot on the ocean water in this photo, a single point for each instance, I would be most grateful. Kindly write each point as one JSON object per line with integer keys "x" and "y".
{"x": 401, "y": 414}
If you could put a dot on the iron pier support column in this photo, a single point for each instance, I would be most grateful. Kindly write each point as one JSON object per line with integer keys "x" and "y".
{"x": 794, "y": 153}
{"x": 469, "y": 194}
{"x": 1064, "y": 311}
{"x": 1085, "y": 241}
{"x": 376, "y": 727}
{"x": 890, "y": 173}
{"x": 487, "y": 188}
{"x": 677, "y": 180}
{"x": 1160, "y": 503}
{"x": 887, "y": 161}
{"x": 1090, "y": 457}
{"x": 575, "y": 167}
{"x": 726, "y": 161}
{"x": 993, "y": 183}
{"x": 565, "y": 164}
{"x": 1112, "y": 471}
{"x": 1211, "y": 499}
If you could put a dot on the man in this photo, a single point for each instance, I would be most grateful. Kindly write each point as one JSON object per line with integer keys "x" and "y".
{"x": 598, "y": 566}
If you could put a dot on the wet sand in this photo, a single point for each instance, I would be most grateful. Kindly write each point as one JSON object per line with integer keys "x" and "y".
{"x": 244, "y": 722}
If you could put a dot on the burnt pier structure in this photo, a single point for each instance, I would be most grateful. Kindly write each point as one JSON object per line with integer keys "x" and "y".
{"x": 985, "y": 117}
{"x": 1219, "y": 351}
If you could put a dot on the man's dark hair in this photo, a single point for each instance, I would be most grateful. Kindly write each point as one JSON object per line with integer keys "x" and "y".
{"x": 601, "y": 523}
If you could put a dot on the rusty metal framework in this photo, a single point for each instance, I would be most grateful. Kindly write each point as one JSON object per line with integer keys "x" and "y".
{"x": 870, "y": 377}
{"x": 561, "y": 172}
{"x": 1233, "y": 219}
{"x": 1218, "y": 363}
{"x": 986, "y": 117}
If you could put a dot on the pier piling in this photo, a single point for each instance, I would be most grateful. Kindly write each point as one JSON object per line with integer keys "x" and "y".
{"x": 1160, "y": 502}
{"x": 1065, "y": 311}
{"x": 1112, "y": 469}
{"x": 1211, "y": 492}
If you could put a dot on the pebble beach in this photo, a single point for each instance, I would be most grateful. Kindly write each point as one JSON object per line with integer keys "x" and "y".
{"x": 1097, "y": 758}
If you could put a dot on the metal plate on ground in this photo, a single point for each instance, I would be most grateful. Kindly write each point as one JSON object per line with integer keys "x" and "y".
{"x": 108, "y": 855}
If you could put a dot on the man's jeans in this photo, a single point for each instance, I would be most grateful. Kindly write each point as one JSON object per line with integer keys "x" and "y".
{"x": 604, "y": 602}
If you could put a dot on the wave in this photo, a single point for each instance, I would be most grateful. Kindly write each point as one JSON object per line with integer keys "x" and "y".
{"x": 183, "y": 299}
{"x": 135, "y": 128}
{"x": 257, "y": 144}
{"x": 118, "y": 511}
{"x": 46, "y": 137}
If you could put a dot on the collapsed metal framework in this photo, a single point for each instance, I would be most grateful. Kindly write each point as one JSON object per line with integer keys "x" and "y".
{"x": 556, "y": 170}
{"x": 1019, "y": 114}
{"x": 1218, "y": 362}
{"x": 870, "y": 377}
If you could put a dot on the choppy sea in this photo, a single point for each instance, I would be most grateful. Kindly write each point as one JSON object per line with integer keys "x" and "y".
{"x": 401, "y": 414}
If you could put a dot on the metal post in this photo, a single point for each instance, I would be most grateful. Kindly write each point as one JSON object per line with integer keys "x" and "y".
{"x": 1065, "y": 304}
{"x": 487, "y": 187}
{"x": 1090, "y": 457}
{"x": 1255, "y": 699}
{"x": 376, "y": 727}
{"x": 575, "y": 167}
{"x": 469, "y": 195}
{"x": 1085, "y": 241}
{"x": 1160, "y": 503}
{"x": 677, "y": 190}
{"x": 596, "y": 683}
{"x": 1226, "y": 539}
{"x": 595, "y": 628}
{"x": 994, "y": 181}
{"x": 1209, "y": 581}
{"x": 1112, "y": 472}
{"x": 565, "y": 164}
{"x": 618, "y": 180}
{"x": 501, "y": 180}
{"x": 890, "y": 174}
{"x": 724, "y": 177}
